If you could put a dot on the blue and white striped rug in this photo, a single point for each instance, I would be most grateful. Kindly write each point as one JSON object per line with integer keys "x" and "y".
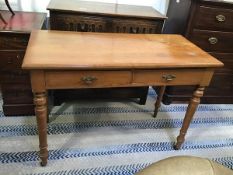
{"x": 102, "y": 138}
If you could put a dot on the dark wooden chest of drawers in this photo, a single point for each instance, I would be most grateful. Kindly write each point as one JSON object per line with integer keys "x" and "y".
{"x": 15, "y": 83}
{"x": 211, "y": 28}
{"x": 84, "y": 16}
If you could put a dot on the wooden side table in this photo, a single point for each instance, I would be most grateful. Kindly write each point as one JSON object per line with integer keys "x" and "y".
{"x": 116, "y": 62}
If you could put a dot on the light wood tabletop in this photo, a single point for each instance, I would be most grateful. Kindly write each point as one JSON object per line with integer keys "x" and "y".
{"x": 76, "y": 50}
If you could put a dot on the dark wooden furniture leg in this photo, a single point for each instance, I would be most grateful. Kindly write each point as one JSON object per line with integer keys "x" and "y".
{"x": 3, "y": 20}
{"x": 159, "y": 99}
{"x": 143, "y": 97}
{"x": 40, "y": 100}
{"x": 9, "y": 7}
{"x": 193, "y": 104}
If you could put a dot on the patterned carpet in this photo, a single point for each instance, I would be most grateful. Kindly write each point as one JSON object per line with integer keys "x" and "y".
{"x": 119, "y": 138}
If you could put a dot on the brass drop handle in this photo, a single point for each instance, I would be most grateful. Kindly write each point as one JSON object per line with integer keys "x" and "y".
{"x": 169, "y": 77}
{"x": 88, "y": 80}
{"x": 221, "y": 18}
{"x": 213, "y": 40}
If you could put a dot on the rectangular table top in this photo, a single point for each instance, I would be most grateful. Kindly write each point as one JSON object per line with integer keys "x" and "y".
{"x": 84, "y": 51}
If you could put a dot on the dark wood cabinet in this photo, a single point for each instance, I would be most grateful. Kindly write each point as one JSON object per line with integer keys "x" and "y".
{"x": 210, "y": 26}
{"x": 15, "y": 83}
{"x": 84, "y": 16}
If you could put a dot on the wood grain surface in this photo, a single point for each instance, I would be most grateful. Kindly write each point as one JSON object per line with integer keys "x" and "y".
{"x": 74, "y": 50}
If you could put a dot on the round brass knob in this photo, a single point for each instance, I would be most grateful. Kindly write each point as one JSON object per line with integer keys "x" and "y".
{"x": 213, "y": 40}
{"x": 221, "y": 18}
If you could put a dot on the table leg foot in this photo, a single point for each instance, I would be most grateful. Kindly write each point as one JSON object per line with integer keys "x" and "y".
{"x": 193, "y": 104}
{"x": 40, "y": 101}
{"x": 158, "y": 100}
{"x": 180, "y": 141}
{"x": 43, "y": 162}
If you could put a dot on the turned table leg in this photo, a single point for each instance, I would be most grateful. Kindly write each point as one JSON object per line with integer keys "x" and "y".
{"x": 9, "y": 7}
{"x": 159, "y": 99}
{"x": 40, "y": 100}
{"x": 193, "y": 104}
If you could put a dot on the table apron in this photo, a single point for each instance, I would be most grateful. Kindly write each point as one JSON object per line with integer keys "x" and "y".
{"x": 69, "y": 79}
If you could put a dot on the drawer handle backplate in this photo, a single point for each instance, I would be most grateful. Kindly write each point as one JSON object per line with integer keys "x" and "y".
{"x": 88, "y": 80}
{"x": 213, "y": 40}
{"x": 169, "y": 77}
{"x": 221, "y": 18}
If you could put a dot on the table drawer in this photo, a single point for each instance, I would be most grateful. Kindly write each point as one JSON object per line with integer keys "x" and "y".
{"x": 86, "y": 79}
{"x": 10, "y": 60}
{"x": 81, "y": 23}
{"x": 9, "y": 41}
{"x": 137, "y": 26}
{"x": 172, "y": 77}
{"x": 214, "y": 19}
{"x": 213, "y": 41}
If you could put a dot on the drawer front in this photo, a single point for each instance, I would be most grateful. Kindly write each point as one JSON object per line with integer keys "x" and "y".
{"x": 69, "y": 22}
{"x": 214, "y": 19}
{"x": 226, "y": 58}
{"x": 10, "y": 41}
{"x": 87, "y": 79}
{"x": 10, "y": 60}
{"x": 221, "y": 85}
{"x": 172, "y": 77}
{"x": 136, "y": 26}
{"x": 213, "y": 41}
{"x": 16, "y": 93}
{"x": 18, "y": 76}
{"x": 18, "y": 109}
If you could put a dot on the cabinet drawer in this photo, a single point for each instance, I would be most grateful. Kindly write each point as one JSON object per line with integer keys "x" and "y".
{"x": 213, "y": 41}
{"x": 222, "y": 83}
{"x": 18, "y": 76}
{"x": 172, "y": 77}
{"x": 10, "y": 41}
{"x": 214, "y": 19}
{"x": 10, "y": 60}
{"x": 17, "y": 93}
{"x": 69, "y": 22}
{"x": 226, "y": 58}
{"x": 18, "y": 109}
{"x": 136, "y": 26}
{"x": 86, "y": 79}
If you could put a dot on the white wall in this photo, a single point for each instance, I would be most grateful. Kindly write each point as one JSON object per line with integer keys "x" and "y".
{"x": 160, "y": 5}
